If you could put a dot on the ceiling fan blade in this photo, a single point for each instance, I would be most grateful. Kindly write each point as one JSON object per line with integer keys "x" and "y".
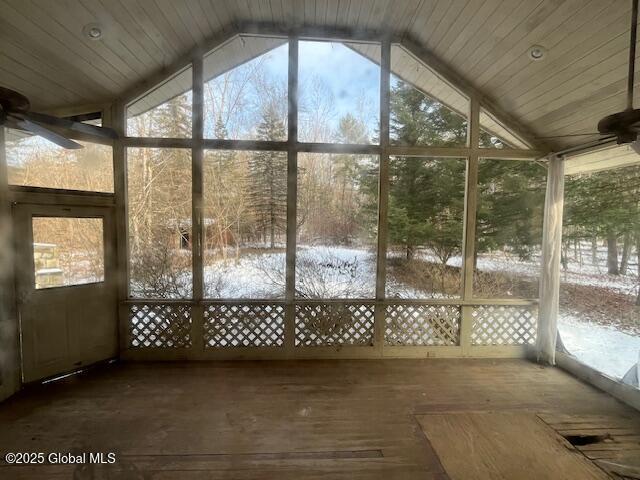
{"x": 24, "y": 124}
{"x": 104, "y": 132}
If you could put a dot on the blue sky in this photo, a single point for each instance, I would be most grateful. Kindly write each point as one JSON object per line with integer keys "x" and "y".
{"x": 347, "y": 74}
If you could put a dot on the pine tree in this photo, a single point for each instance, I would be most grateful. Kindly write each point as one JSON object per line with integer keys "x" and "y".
{"x": 267, "y": 180}
{"x": 426, "y": 196}
{"x": 417, "y": 119}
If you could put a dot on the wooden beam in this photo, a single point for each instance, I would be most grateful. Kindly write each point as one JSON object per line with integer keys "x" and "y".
{"x": 10, "y": 365}
{"x": 460, "y": 152}
{"x": 73, "y": 110}
{"x": 469, "y": 233}
{"x": 46, "y": 196}
{"x": 551, "y": 252}
{"x": 383, "y": 195}
{"x": 122, "y": 221}
{"x": 292, "y": 199}
{"x": 335, "y": 34}
{"x": 197, "y": 203}
{"x": 624, "y": 393}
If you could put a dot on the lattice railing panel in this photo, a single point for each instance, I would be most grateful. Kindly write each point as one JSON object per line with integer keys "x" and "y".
{"x": 504, "y": 325}
{"x": 244, "y": 325}
{"x": 422, "y": 325}
{"x": 326, "y": 324}
{"x": 160, "y": 325}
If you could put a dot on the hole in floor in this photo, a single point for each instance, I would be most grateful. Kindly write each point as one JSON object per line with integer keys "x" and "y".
{"x": 580, "y": 440}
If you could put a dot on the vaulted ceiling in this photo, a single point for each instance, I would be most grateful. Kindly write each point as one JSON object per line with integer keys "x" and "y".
{"x": 45, "y": 55}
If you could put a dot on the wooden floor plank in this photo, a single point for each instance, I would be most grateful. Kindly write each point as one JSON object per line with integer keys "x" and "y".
{"x": 281, "y": 419}
{"x": 504, "y": 446}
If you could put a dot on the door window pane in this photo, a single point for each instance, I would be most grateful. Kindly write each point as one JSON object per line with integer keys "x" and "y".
{"x": 67, "y": 251}
{"x": 337, "y": 226}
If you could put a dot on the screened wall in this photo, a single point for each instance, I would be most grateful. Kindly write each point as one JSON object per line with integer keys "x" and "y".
{"x": 292, "y": 196}
{"x": 599, "y": 318}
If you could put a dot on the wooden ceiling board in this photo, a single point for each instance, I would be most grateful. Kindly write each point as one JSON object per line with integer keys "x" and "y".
{"x": 45, "y": 55}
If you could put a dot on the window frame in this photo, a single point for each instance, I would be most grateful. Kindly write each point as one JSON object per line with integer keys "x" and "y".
{"x": 198, "y": 144}
{"x": 104, "y": 251}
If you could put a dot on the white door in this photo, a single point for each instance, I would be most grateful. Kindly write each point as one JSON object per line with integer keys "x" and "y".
{"x": 66, "y": 285}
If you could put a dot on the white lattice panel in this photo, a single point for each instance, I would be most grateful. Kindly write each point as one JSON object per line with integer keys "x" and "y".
{"x": 160, "y": 325}
{"x": 422, "y": 325}
{"x": 334, "y": 324}
{"x": 244, "y": 325}
{"x": 503, "y": 325}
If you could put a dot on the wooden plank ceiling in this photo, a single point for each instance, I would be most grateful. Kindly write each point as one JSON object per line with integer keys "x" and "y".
{"x": 44, "y": 54}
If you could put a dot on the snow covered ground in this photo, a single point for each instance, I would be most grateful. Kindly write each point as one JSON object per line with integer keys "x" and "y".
{"x": 603, "y": 348}
{"x": 340, "y": 272}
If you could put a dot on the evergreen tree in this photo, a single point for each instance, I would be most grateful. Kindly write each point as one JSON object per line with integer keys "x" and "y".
{"x": 417, "y": 119}
{"x": 267, "y": 180}
{"x": 426, "y": 196}
{"x": 510, "y": 208}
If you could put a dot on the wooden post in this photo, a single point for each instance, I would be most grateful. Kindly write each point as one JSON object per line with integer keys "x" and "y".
{"x": 550, "y": 274}
{"x": 10, "y": 359}
{"x": 292, "y": 199}
{"x": 383, "y": 196}
{"x": 197, "y": 233}
{"x": 470, "y": 209}
{"x": 122, "y": 218}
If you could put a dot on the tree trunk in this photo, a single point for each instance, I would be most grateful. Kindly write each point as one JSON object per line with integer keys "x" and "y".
{"x": 410, "y": 252}
{"x": 626, "y": 252}
{"x": 638, "y": 262}
{"x": 594, "y": 251}
{"x": 563, "y": 256}
{"x": 612, "y": 254}
{"x": 272, "y": 234}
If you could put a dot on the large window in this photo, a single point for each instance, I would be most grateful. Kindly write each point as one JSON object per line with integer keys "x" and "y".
{"x": 426, "y": 222}
{"x": 245, "y": 224}
{"x": 509, "y": 228}
{"x": 165, "y": 111}
{"x": 35, "y": 162}
{"x": 245, "y": 90}
{"x": 339, "y": 92}
{"x": 159, "y": 196}
{"x": 245, "y": 192}
{"x": 67, "y": 251}
{"x": 599, "y": 294}
{"x": 337, "y": 226}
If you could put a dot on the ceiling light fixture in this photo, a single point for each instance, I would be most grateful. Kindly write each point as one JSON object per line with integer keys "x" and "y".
{"x": 92, "y": 31}
{"x": 537, "y": 52}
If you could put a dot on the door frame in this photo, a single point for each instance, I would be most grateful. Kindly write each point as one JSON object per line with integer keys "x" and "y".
{"x": 22, "y": 214}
